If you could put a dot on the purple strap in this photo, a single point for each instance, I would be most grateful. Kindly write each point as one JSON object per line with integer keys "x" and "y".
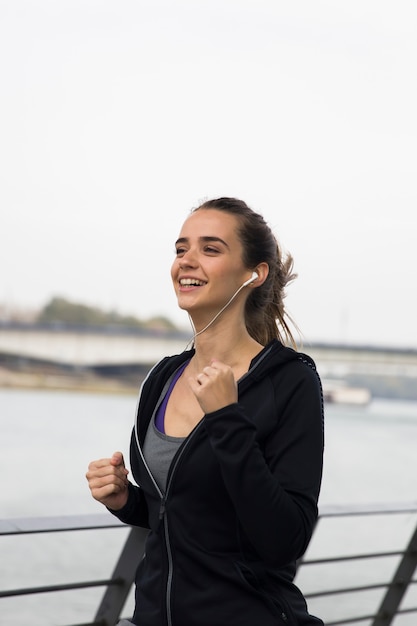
{"x": 160, "y": 414}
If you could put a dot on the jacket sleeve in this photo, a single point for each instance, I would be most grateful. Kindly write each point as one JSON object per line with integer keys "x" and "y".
{"x": 135, "y": 511}
{"x": 274, "y": 483}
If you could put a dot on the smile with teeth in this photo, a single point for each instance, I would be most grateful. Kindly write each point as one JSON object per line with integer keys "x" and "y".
{"x": 188, "y": 282}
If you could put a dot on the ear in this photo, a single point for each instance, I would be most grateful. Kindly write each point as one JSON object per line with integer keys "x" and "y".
{"x": 262, "y": 270}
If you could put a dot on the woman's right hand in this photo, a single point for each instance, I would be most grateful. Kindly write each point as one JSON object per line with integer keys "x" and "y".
{"x": 107, "y": 479}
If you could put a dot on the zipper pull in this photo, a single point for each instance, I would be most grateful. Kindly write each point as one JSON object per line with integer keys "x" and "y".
{"x": 162, "y": 508}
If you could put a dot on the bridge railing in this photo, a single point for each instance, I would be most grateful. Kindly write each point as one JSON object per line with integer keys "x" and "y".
{"x": 118, "y": 586}
{"x": 388, "y": 603}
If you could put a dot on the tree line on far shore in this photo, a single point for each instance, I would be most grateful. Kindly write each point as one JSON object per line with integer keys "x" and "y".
{"x": 63, "y": 311}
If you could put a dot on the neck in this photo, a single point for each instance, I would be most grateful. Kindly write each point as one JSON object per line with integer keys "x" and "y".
{"x": 230, "y": 344}
{"x": 227, "y": 310}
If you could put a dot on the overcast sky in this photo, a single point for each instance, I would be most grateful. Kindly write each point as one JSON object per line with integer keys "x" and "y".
{"x": 116, "y": 118}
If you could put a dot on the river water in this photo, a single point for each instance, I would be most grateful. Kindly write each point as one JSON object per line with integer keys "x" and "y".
{"x": 48, "y": 439}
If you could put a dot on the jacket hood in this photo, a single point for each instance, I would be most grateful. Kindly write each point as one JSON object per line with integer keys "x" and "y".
{"x": 271, "y": 357}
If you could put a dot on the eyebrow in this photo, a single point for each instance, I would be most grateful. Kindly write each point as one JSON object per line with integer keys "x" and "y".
{"x": 206, "y": 239}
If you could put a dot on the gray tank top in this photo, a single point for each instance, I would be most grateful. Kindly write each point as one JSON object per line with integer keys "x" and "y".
{"x": 159, "y": 450}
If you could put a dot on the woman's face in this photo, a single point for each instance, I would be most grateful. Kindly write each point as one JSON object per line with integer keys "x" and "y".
{"x": 208, "y": 268}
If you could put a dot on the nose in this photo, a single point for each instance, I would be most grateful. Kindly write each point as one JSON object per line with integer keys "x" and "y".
{"x": 188, "y": 259}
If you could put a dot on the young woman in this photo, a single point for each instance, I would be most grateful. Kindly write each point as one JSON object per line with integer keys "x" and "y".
{"x": 228, "y": 440}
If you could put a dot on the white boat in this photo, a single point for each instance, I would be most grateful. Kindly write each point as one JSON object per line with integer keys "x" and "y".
{"x": 339, "y": 392}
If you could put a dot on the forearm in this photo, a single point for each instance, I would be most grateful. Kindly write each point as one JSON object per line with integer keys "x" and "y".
{"x": 275, "y": 498}
{"x": 135, "y": 511}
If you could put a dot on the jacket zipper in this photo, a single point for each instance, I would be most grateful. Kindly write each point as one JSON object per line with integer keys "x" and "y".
{"x": 163, "y": 515}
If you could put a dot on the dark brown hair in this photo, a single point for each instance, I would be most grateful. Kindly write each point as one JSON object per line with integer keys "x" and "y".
{"x": 265, "y": 314}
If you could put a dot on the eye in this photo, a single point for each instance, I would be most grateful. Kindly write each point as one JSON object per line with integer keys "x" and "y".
{"x": 211, "y": 250}
{"x": 179, "y": 251}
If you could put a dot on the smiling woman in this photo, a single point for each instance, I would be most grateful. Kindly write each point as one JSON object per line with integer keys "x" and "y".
{"x": 228, "y": 440}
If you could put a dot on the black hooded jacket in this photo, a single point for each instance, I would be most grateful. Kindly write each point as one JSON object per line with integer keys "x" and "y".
{"x": 240, "y": 503}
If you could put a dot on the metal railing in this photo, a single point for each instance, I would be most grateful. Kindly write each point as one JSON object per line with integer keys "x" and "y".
{"x": 394, "y": 589}
{"x": 118, "y": 586}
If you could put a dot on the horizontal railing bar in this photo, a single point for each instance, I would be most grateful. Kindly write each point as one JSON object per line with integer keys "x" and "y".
{"x": 408, "y": 610}
{"x": 362, "y": 618}
{"x": 97, "y": 623}
{"x": 367, "y": 509}
{"x": 351, "y": 620}
{"x": 331, "y": 592}
{"x": 340, "y": 591}
{"x": 63, "y": 587}
{"x": 352, "y": 557}
{"x": 31, "y": 525}
{"x": 100, "y": 623}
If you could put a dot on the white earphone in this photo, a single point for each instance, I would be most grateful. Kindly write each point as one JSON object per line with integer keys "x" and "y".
{"x": 254, "y": 277}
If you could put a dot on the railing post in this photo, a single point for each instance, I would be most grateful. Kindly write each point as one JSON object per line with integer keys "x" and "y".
{"x": 116, "y": 595}
{"x": 397, "y": 588}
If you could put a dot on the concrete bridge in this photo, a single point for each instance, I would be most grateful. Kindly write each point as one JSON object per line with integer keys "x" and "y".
{"x": 87, "y": 346}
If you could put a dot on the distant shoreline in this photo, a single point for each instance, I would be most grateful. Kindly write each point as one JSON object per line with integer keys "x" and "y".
{"x": 10, "y": 379}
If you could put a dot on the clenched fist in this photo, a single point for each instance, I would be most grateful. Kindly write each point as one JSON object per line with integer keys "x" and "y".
{"x": 107, "y": 479}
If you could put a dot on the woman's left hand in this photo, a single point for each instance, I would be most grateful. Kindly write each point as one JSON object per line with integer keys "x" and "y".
{"x": 214, "y": 387}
